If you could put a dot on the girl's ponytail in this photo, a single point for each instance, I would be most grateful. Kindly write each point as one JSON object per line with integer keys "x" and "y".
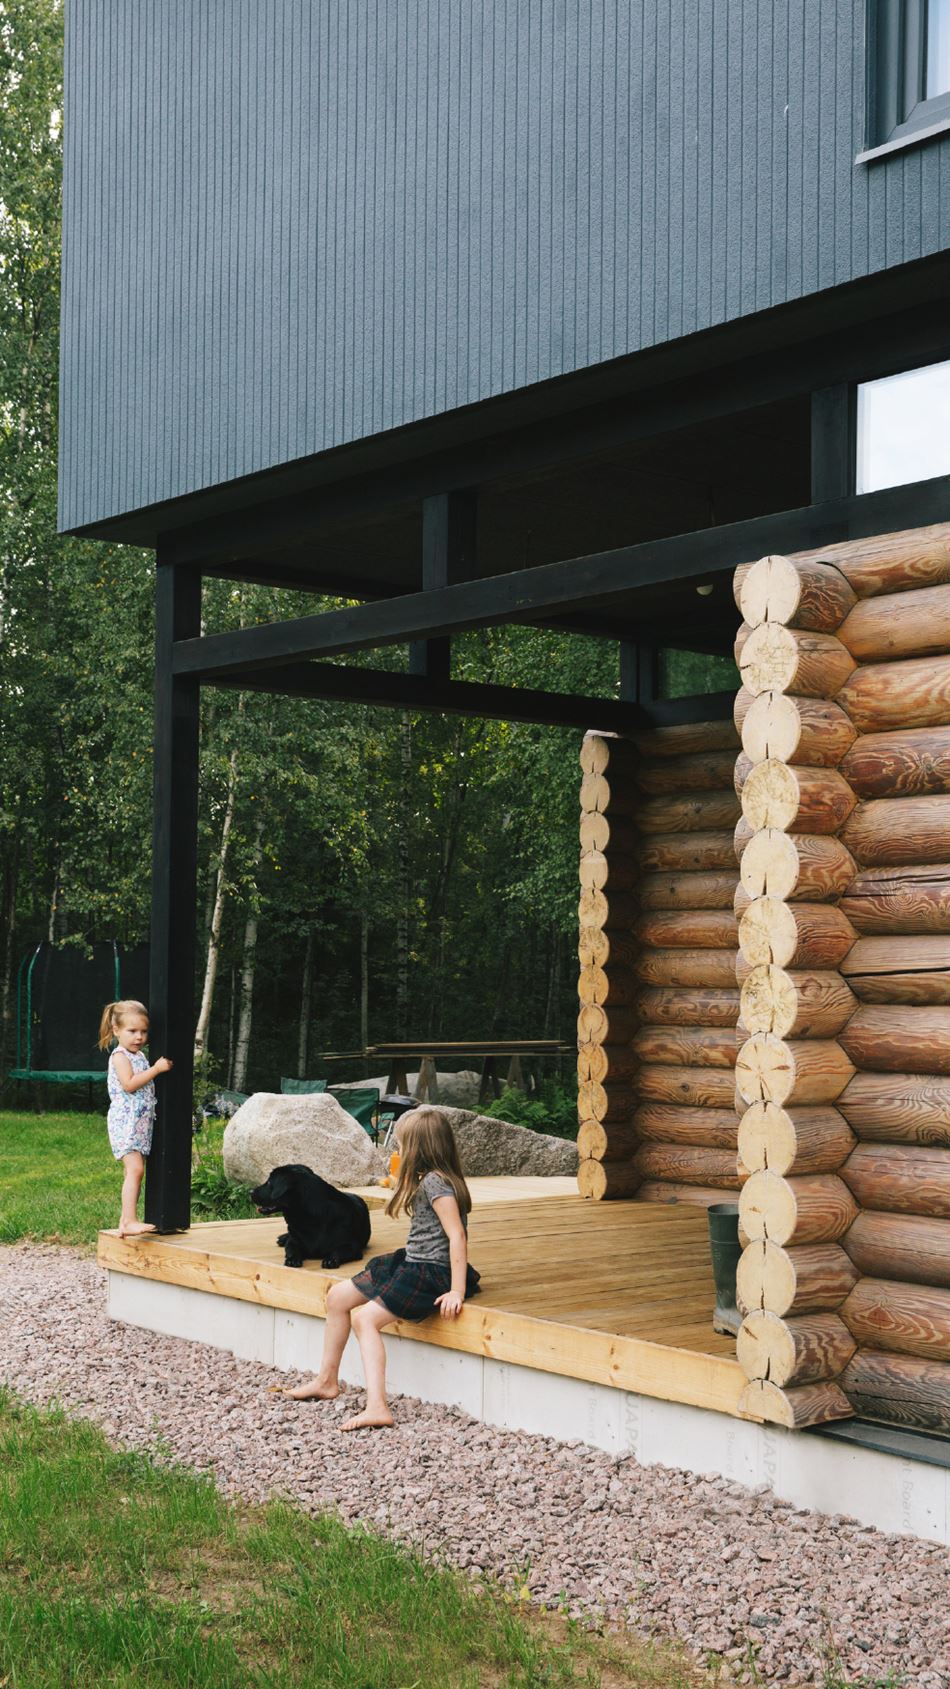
{"x": 106, "y": 1033}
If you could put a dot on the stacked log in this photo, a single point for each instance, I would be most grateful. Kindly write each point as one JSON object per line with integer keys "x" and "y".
{"x": 657, "y": 948}
{"x": 795, "y": 1208}
{"x": 885, "y": 735}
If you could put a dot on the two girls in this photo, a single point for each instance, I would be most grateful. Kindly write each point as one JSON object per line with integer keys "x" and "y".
{"x": 430, "y": 1273}
{"x": 131, "y": 1082}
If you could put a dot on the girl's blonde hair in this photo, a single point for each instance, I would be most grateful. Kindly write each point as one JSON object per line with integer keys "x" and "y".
{"x": 427, "y": 1145}
{"x": 116, "y": 1014}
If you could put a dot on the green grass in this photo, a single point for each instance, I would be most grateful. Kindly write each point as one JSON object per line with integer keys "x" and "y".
{"x": 115, "y": 1569}
{"x": 58, "y": 1179}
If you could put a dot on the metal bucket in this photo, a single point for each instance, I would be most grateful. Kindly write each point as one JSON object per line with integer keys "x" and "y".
{"x": 725, "y": 1248}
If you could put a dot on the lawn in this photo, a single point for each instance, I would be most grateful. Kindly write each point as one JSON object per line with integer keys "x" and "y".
{"x": 58, "y": 1180}
{"x": 118, "y": 1569}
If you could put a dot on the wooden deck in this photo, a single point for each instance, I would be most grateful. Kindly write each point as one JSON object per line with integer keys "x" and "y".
{"x": 613, "y": 1293}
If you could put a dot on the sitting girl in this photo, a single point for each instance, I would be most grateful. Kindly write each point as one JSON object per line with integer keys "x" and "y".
{"x": 410, "y": 1284}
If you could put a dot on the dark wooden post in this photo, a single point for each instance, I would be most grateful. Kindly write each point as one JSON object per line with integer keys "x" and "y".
{"x": 174, "y": 890}
{"x": 448, "y": 556}
{"x": 833, "y": 442}
{"x": 639, "y": 672}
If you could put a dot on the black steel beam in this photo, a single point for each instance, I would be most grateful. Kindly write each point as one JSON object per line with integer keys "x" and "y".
{"x": 174, "y": 896}
{"x": 576, "y": 584}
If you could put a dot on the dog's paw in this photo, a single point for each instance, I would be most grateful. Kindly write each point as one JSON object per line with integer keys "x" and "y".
{"x": 293, "y": 1260}
{"x": 283, "y": 1239}
{"x": 331, "y": 1261}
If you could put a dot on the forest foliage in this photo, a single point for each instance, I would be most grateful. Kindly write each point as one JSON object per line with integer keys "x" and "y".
{"x": 361, "y": 871}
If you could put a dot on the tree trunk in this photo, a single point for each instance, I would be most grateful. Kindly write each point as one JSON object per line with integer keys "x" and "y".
{"x": 404, "y": 888}
{"x": 364, "y": 981}
{"x": 306, "y": 989}
{"x": 217, "y": 915}
{"x": 7, "y": 918}
{"x": 243, "y": 1043}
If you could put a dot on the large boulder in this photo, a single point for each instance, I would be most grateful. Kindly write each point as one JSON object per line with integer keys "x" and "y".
{"x": 269, "y": 1130}
{"x": 489, "y": 1148}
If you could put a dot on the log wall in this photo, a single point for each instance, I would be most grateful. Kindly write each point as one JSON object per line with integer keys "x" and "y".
{"x": 844, "y": 970}
{"x": 657, "y": 949}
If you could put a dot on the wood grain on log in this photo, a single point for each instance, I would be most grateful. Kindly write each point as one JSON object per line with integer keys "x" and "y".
{"x": 803, "y": 1350}
{"x": 810, "y": 800}
{"x": 900, "y": 1179}
{"x": 911, "y": 1108}
{"x": 602, "y": 750}
{"x": 619, "y": 910}
{"x": 598, "y": 872}
{"x": 914, "y": 762}
{"x": 688, "y": 929}
{"x": 688, "y": 1164}
{"x": 606, "y": 1024}
{"x": 708, "y": 772}
{"x": 689, "y": 812}
{"x": 896, "y": 562}
{"x": 898, "y": 969}
{"x": 600, "y": 1181}
{"x": 797, "y": 1140}
{"x": 694, "y": 1196}
{"x": 813, "y": 1278}
{"x": 687, "y": 967}
{"x": 599, "y": 1142}
{"x": 811, "y": 731}
{"x": 911, "y": 1248}
{"x": 699, "y": 1087}
{"x": 781, "y": 659}
{"x": 902, "y": 624}
{"x": 595, "y": 986}
{"x": 880, "y": 696}
{"x": 809, "y": 594}
{"x": 911, "y": 988}
{"x": 686, "y": 1046}
{"x": 889, "y": 1040}
{"x": 776, "y": 1070}
{"x": 608, "y": 1099}
{"x": 742, "y": 768}
{"x": 688, "y": 738}
{"x": 900, "y": 900}
{"x": 904, "y": 1319}
{"x": 794, "y": 935}
{"x": 804, "y": 867}
{"x": 602, "y": 794}
{"x": 741, "y": 707}
{"x": 898, "y": 830}
{"x": 670, "y": 1007}
{"x": 807, "y": 1404}
{"x": 607, "y": 833}
{"x": 664, "y": 1123}
{"x": 688, "y": 891}
{"x": 742, "y": 836}
{"x": 599, "y": 1063}
{"x": 604, "y": 947}
{"x": 685, "y": 852}
{"x": 901, "y": 1389}
{"x": 797, "y": 1004}
{"x": 818, "y": 1208}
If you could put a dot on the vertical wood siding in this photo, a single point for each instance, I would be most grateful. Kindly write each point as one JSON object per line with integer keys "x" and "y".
{"x": 295, "y": 223}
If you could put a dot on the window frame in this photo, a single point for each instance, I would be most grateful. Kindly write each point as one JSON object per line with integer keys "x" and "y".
{"x": 898, "y": 111}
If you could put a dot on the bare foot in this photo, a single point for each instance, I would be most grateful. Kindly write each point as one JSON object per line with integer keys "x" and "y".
{"x": 367, "y": 1421}
{"x": 315, "y": 1391}
{"x": 135, "y": 1228}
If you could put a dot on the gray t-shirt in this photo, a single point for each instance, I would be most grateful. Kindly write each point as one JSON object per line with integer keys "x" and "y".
{"x": 428, "y": 1240}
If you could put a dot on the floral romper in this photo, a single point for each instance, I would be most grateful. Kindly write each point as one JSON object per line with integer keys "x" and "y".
{"x": 131, "y": 1114}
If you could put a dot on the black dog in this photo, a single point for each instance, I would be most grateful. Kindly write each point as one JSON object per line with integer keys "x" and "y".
{"x": 323, "y": 1223}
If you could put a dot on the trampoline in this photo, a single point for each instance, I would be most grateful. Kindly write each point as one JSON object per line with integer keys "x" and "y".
{"x": 60, "y": 993}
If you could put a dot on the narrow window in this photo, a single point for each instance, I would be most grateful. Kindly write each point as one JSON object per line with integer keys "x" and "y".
{"x": 909, "y": 68}
{"x": 904, "y": 428}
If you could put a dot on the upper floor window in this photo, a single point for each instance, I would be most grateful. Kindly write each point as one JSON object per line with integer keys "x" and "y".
{"x": 903, "y": 428}
{"x": 909, "y": 85}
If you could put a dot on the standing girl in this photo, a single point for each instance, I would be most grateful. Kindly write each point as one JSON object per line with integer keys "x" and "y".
{"x": 131, "y": 1100}
{"x": 410, "y": 1284}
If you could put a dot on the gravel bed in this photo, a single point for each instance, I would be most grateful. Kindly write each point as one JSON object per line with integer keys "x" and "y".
{"x": 659, "y": 1550}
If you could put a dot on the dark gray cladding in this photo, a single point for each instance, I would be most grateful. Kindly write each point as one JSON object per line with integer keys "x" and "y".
{"x": 295, "y": 223}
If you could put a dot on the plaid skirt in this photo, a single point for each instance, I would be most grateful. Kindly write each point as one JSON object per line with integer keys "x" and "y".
{"x": 409, "y": 1288}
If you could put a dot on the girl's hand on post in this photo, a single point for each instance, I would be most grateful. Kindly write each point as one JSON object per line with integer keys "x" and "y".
{"x": 449, "y": 1304}
{"x": 163, "y": 1065}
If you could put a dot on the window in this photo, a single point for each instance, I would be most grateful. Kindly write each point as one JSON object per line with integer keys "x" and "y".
{"x": 909, "y": 62}
{"x": 904, "y": 428}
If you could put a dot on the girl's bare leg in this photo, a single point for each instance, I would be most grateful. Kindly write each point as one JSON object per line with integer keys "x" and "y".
{"x": 342, "y": 1298}
{"x": 368, "y": 1324}
{"x": 134, "y": 1165}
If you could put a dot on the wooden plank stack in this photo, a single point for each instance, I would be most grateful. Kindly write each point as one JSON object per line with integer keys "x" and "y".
{"x": 844, "y": 938}
{"x": 659, "y": 1000}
